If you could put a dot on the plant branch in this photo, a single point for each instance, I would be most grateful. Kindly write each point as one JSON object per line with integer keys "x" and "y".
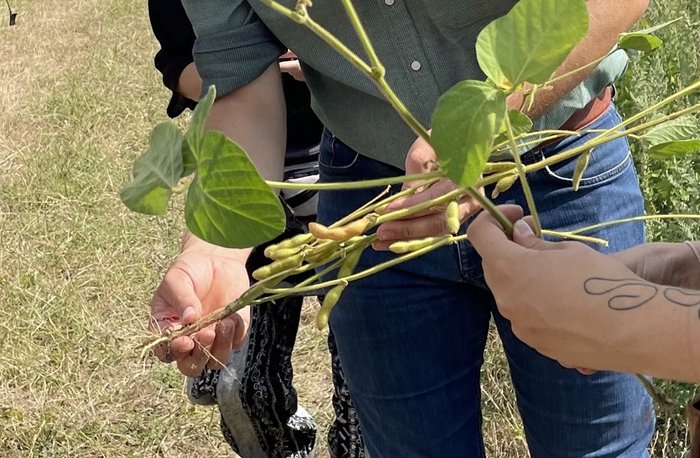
{"x": 356, "y": 184}
{"x": 523, "y": 179}
{"x": 593, "y": 227}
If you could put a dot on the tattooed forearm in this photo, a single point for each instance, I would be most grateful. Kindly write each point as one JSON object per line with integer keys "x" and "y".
{"x": 632, "y": 293}
{"x": 625, "y": 293}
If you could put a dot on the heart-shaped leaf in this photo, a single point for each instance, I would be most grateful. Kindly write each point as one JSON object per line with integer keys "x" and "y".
{"x": 530, "y": 42}
{"x": 465, "y": 122}
{"x": 195, "y": 132}
{"x": 228, "y": 203}
{"x": 156, "y": 172}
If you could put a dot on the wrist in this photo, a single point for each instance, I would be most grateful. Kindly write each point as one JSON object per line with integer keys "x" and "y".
{"x": 192, "y": 243}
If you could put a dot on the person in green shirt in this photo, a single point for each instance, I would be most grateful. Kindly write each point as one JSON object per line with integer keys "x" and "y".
{"x": 411, "y": 338}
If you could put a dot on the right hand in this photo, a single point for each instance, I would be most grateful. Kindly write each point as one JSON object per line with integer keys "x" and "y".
{"x": 202, "y": 279}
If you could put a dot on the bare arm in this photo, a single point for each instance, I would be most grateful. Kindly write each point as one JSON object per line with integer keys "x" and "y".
{"x": 606, "y": 20}
{"x": 594, "y": 313}
{"x": 670, "y": 264}
{"x": 190, "y": 83}
{"x": 205, "y": 277}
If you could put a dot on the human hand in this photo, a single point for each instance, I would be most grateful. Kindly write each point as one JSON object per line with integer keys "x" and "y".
{"x": 539, "y": 287}
{"x": 432, "y": 222}
{"x": 202, "y": 279}
{"x": 290, "y": 64}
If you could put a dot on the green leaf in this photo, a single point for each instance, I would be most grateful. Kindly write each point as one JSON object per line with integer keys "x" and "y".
{"x": 673, "y": 138}
{"x": 639, "y": 41}
{"x": 530, "y": 42}
{"x": 228, "y": 203}
{"x": 195, "y": 132}
{"x": 520, "y": 123}
{"x": 683, "y": 128}
{"x": 642, "y": 40}
{"x": 667, "y": 150}
{"x": 156, "y": 172}
{"x": 465, "y": 122}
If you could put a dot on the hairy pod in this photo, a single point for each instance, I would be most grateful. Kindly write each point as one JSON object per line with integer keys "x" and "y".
{"x": 580, "y": 168}
{"x": 407, "y": 246}
{"x": 496, "y": 167}
{"x": 342, "y": 233}
{"x": 503, "y": 185}
{"x": 321, "y": 251}
{"x": 278, "y": 266}
{"x": 329, "y": 302}
{"x": 297, "y": 240}
{"x": 282, "y": 253}
{"x": 350, "y": 262}
{"x": 452, "y": 217}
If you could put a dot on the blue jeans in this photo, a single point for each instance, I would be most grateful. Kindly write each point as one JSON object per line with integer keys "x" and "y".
{"x": 411, "y": 338}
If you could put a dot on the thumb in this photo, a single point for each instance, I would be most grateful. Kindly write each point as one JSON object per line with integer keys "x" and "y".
{"x": 524, "y": 236}
{"x": 178, "y": 291}
{"x": 487, "y": 236}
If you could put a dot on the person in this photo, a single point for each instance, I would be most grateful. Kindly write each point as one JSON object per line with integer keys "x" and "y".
{"x": 255, "y": 395}
{"x": 411, "y": 338}
{"x": 633, "y": 311}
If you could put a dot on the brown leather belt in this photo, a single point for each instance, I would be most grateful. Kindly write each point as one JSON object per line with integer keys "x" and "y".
{"x": 583, "y": 117}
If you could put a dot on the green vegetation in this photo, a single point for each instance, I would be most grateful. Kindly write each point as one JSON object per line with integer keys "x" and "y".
{"x": 77, "y": 270}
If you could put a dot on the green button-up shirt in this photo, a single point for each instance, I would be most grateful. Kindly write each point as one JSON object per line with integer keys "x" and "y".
{"x": 426, "y": 46}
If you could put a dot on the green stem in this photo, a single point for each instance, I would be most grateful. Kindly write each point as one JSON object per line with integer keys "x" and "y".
{"x": 490, "y": 207}
{"x": 322, "y": 33}
{"x": 523, "y": 179}
{"x": 593, "y": 227}
{"x": 579, "y": 69}
{"x": 362, "y": 35}
{"x": 599, "y": 140}
{"x": 356, "y": 184}
{"x": 654, "y": 108}
{"x": 372, "y": 270}
{"x": 572, "y": 236}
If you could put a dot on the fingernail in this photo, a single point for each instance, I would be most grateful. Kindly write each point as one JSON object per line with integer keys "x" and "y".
{"x": 224, "y": 329}
{"x": 188, "y": 311}
{"x": 386, "y": 235}
{"x": 522, "y": 228}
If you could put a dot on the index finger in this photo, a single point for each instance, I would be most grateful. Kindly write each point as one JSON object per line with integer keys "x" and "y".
{"x": 488, "y": 236}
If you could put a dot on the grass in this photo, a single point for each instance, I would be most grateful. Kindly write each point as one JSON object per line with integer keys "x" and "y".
{"x": 77, "y": 270}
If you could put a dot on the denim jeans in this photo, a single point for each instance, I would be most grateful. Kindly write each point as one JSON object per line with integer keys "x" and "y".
{"x": 411, "y": 338}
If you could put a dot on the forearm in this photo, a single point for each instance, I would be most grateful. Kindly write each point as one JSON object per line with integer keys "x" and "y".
{"x": 658, "y": 327}
{"x": 606, "y": 21}
{"x": 670, "y": 264}
{"x": 254, "y": 117}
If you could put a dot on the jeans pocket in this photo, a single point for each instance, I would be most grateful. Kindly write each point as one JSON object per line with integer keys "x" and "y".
{"x": 607, "y": 161}
{"x": 335, "y": 158}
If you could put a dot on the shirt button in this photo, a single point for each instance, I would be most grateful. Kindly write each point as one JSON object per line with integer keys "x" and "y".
{"x": 415, "y": 65}
{"x": 389, "y": 2}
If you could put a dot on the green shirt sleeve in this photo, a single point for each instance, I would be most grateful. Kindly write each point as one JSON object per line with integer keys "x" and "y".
{"x": 233, "y": 46}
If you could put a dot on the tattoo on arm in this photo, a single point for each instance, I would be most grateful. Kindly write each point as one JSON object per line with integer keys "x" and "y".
{"x": 632, "y": 293}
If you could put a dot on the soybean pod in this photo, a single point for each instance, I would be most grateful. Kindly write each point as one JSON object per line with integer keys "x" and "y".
{"x": 328, "y": 303}
{"x": 278, "y": 266}
{"x": 452, "y": 217}
{"x": 407, "y": 246}
{"x": 580, "y": 168}
{"x": 503, "y": 185}
{"x": 342, "y": 233}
